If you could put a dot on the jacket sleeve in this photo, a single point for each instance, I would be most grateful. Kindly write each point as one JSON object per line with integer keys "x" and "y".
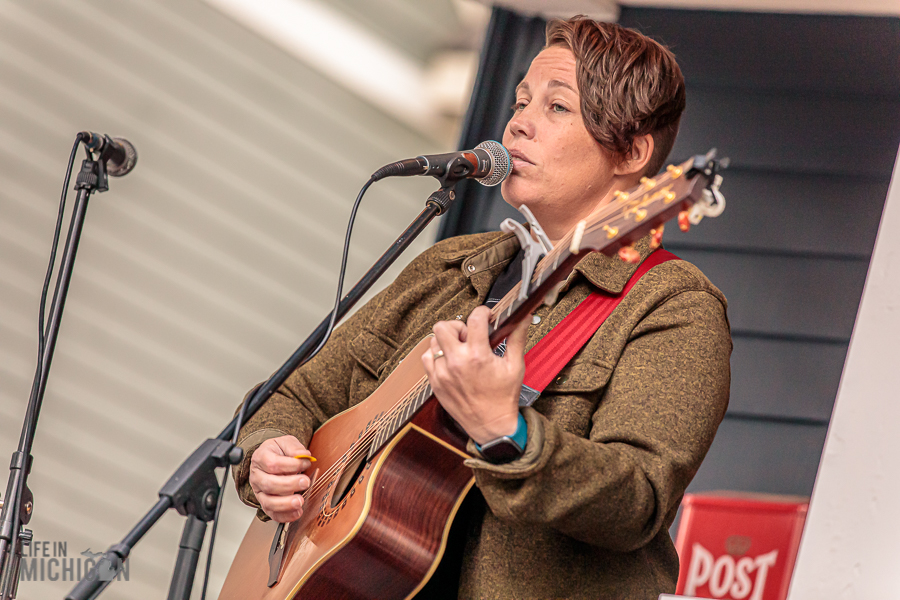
{"x": 651, "y": 428}
{"x": 300, "y": 406}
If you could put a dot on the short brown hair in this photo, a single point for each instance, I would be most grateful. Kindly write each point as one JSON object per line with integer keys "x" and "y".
{"x": 630, "y": 85}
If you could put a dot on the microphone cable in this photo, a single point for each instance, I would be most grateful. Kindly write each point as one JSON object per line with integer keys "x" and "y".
{"x": 325, "y": 338}
{"x": 42, "y": 337}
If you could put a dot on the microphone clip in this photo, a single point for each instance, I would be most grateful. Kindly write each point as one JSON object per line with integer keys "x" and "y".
{"x": 458, "y": 169}
{"x": 93, "y": 176}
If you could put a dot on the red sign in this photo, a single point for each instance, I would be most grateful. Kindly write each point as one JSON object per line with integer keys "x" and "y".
{"x": 738, "y": 546}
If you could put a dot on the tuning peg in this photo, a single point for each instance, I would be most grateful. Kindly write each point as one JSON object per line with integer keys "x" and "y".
{"x": 629, "y": 254}
{"x": 684, "y": 222}
{"x": 656, "y": 237}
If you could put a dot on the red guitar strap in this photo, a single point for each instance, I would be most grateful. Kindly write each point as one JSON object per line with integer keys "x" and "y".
{"x": 554, "y": 351}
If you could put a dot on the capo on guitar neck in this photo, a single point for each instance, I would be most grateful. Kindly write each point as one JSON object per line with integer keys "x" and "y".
{"x": 534, "y": 249}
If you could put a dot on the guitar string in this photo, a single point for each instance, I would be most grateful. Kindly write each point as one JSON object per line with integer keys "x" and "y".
{"x": 603, "y": 217}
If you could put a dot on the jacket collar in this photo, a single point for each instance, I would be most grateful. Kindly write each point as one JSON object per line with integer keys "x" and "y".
{"x": 607, "y": 273}
{"x": 496, "y": 248}
{"x": 610, "y": 273}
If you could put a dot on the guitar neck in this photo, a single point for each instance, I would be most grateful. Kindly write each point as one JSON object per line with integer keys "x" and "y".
{"x": 401, "y": 415}
{"x": 511, "y": 309}
{"x": 624, "y": 220}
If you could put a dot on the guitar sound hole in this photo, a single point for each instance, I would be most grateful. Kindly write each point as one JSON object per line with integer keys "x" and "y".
{"x": 351, "y": 473}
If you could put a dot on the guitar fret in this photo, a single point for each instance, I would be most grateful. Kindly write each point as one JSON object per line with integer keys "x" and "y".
{"x": 410, "y": 408}
{"x": 416, "y": 401}
{"x": 376, "y": 444}
{"x": 383, "y": 436}
{"x": 394, "y": 426}
{"x": 404, "y": 411}
{"x": 426, "y": 393}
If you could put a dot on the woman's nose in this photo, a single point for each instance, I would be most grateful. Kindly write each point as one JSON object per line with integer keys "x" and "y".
{"x": 521, "y": 123}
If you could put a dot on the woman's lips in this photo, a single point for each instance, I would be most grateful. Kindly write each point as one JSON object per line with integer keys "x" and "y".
{"x": 519, "y": 160}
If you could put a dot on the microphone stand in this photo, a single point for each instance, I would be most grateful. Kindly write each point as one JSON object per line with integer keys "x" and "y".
{"x": 19, "y": 501}
{"x": 194, "y": 488}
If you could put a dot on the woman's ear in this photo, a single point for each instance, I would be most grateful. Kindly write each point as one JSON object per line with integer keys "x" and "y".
{"x": 636, "y": 160}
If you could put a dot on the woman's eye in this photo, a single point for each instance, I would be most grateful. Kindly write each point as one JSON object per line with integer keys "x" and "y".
{"x": 559, "y": 108}
{"x": 519, "y": 106}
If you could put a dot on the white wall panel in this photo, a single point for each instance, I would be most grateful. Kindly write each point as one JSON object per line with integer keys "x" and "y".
{"x": 198, "y": 274}
{"x": 851, "y": 540}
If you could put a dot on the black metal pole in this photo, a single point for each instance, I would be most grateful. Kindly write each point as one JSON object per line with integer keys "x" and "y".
{"x": 18, "y": 505}
{"x": 188, "y": 557}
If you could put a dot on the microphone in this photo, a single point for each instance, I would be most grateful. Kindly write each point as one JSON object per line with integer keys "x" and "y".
{"x": 119, "y": 153}
{"x": 489, "y": 164}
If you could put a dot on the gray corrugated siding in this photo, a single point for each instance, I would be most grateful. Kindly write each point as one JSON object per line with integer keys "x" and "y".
{"x": 198, "y": 274}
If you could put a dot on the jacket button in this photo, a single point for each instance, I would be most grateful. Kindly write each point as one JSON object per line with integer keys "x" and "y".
{"x": 535, "y": 319}
{"x": 471, "y": 268}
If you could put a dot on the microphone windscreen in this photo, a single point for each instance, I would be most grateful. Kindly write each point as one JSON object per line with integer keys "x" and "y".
{"x": 501, "y": 163}
{"x": 118, "y": 169}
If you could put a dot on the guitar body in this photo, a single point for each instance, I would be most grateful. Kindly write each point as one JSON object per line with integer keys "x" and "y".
{"x": 372, "y": 529}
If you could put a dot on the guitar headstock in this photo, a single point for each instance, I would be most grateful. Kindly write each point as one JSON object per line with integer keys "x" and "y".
{"x": 688, "y": 190}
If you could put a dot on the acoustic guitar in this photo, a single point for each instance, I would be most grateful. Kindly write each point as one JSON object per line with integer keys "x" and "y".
{"x": 389, "y": 476}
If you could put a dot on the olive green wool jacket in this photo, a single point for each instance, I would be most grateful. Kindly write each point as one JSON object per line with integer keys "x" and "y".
{"x": 612, "y": 443}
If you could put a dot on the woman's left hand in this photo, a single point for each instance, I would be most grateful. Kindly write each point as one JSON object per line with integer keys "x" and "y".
{"x": 479, "y": 389}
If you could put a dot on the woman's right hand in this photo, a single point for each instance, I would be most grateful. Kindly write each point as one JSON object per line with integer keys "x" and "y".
{"x": 276, "y": 477}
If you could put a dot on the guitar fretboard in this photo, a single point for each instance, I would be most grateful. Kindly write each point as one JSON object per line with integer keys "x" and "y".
{"x": 400, "y": 415}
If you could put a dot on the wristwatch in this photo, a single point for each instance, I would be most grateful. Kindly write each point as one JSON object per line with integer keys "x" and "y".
{"x": 506, "y": 448}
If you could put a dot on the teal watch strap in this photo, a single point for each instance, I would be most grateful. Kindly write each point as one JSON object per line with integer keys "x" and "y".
{"x": 520, "y": 437}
